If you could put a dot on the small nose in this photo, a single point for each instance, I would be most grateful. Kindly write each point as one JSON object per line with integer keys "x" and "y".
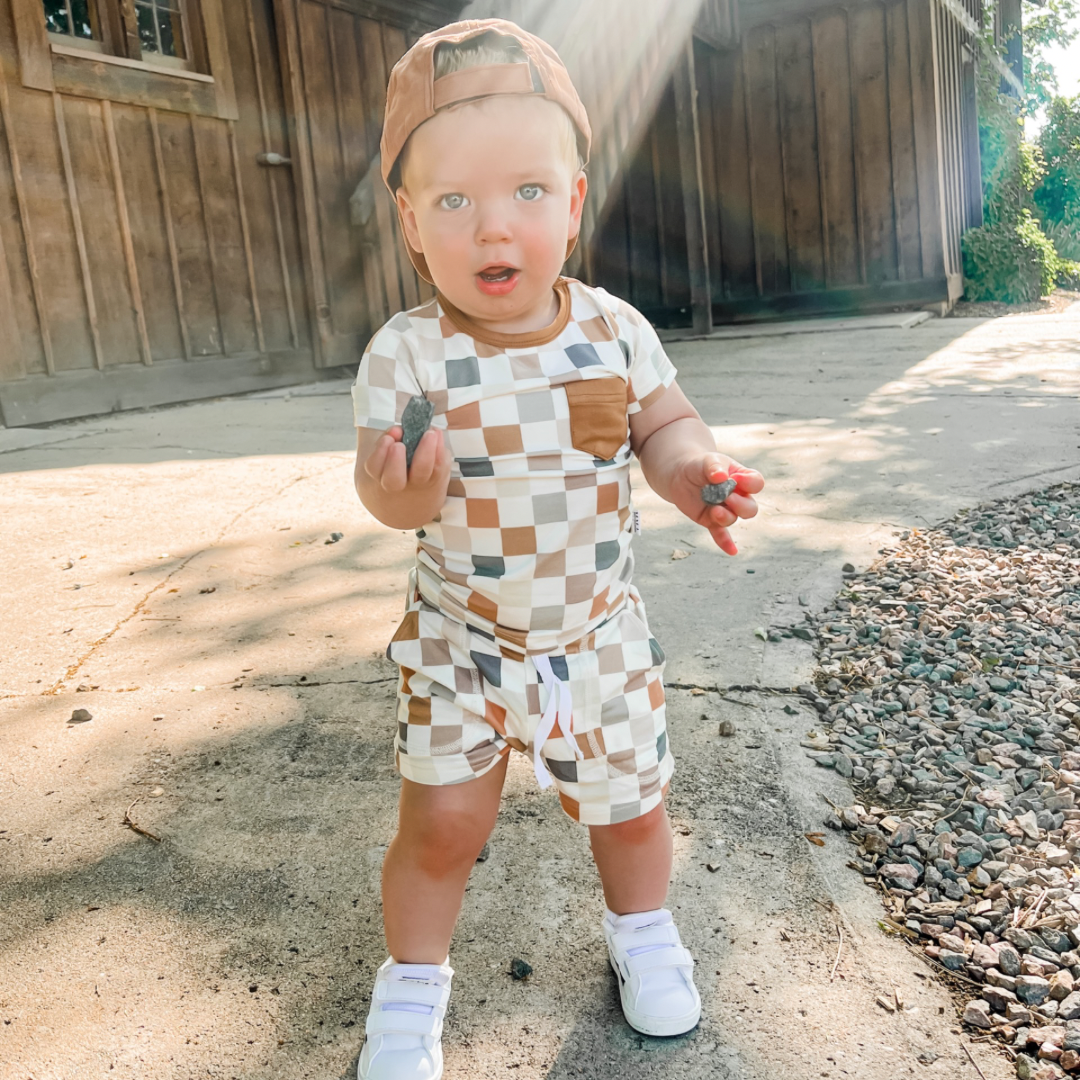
{"x": 493, "y": 226}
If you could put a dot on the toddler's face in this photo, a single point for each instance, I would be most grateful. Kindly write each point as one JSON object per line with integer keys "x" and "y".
{"x": 490, "y": 197}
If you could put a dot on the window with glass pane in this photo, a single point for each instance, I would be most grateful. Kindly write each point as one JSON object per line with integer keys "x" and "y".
{"x": 161, "y": 27}
{"x": 75, "y": 18}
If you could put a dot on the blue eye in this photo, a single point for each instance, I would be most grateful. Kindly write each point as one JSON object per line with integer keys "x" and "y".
{"x": 452, "y": 202}
{"x": 530, "y": 192}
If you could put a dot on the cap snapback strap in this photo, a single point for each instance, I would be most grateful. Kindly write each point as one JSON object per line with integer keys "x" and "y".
{"x": 483, "y": 81}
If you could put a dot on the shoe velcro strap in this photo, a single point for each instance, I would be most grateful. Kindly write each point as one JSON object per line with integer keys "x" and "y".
{"x": 625, "y": 940}
{"x": 414, "y": 993}
{"x": 396, "y": 1022}
{"x": 658, "y": 958}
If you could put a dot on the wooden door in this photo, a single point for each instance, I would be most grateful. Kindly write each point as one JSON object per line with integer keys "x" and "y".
{"x": 335, "y": 65}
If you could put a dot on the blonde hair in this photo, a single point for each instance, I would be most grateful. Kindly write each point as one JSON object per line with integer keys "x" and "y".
{"x": 479, "y": 51}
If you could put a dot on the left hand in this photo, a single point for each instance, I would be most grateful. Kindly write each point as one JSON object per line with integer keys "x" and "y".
{"x": 715, "y": 468}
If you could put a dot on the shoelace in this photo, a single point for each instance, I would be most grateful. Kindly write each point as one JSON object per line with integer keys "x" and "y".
{"x": 560, "y": 706}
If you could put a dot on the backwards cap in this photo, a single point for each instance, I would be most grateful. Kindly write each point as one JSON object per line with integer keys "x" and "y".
{"x": 414, "y": 95}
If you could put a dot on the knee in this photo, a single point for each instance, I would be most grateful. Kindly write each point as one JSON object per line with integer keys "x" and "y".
{"x": 444, "y": 844}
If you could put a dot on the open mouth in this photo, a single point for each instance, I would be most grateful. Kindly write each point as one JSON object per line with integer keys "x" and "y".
{"x": 497, "y": 280}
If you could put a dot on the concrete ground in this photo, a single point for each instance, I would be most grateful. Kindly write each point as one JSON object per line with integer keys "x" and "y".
{"x": 169, "y": 572}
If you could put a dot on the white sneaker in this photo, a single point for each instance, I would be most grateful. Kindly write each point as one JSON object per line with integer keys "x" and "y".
{"x": 404, "y": 1025}
{"x": 656, "y": 974}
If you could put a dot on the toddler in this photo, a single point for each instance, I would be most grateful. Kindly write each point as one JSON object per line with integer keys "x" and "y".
{"x": 523, "y": 629}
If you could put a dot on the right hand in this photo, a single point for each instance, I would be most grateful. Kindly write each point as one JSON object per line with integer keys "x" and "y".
{"x": 430, "y": 468}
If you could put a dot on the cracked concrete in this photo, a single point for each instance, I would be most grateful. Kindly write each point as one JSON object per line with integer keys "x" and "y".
{"x": 244, "y": 944}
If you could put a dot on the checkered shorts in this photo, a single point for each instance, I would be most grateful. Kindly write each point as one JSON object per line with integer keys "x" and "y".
{"x": 464, "y": 701}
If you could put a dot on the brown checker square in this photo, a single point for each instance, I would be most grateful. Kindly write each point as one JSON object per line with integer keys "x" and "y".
{"x": 579, "y": 481}
{"x": 547, "y": 617}
{"x": 409, "y": 628}
{"x": 609, "y": 659}
{"x": 445, "y": 737}
{"x": 579, "y": 588}
{"x": 532, "y": 698}
{"x": 653, "y": 396}
{"x": 482, "y": 513}
{"x": 504, "y": 439}
{"x": 455, "y": 577}
{"x": 551, "y": 564}
{"x": 526, "y": 367}
{"x": 464, "y": 416}
{"x": 571, "y": 806}
{"x": 467, "y": 680}
{"x": 592, "y": 743}
{"x": 545, "y": 462}
{"x": 622, "y": 762}
{"x": 434, "y": 652}
{"x": 607, "y": 498}
{"x": 480, "y": 757}
{"x": 649, "y": 781}
{"x": 596, "y": 329}
{"x": 599, "y": 605}
{"x": 521, "y": 541}
{"x": 440, "y": 399}
{"x": 656, "y": 693}
{"x": 636, "y": 681}
{"x": 420, "y": 711}
{"x": 495, "y": 715}
{"x": 483, "y": 606}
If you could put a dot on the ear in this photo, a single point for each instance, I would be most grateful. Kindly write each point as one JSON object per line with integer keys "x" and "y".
{"x": 408, "y": 219}
{"x": 579, "y": 186}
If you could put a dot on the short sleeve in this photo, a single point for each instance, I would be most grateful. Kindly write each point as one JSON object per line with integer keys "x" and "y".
{"x": 650, "y": 370}
{"x": 387, "y": 377}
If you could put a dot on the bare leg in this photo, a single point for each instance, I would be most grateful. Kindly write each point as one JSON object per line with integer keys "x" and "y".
{"x": 634, "y": 860}
{"x": 440, "y": 832}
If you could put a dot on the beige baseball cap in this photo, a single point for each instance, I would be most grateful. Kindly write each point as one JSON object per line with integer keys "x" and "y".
{"x": 414, "y": 95}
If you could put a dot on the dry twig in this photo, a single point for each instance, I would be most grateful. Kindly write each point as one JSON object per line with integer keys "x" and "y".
{"x": 973, "y": 1061}
{"x": 839, "y": 950}
{"x": 138, "y": 828}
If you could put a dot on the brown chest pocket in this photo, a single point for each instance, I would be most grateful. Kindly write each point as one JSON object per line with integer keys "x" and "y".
{"x": 597, "y": 415}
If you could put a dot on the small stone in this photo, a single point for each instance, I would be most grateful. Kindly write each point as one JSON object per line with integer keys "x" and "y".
{"x": 159, "y": 716}
{"x": 1008, "y": 959}
{"x": 80, "y": 716}
{"x": 954, "y": 961}
{"x": 998, "y": 998}
{"x": 1069, "y": 1008}
{"x": 727, "y": 727}
{"x": 716, "y": 494}
{"x": 1057, "y": 856}
{"x": 1061, "y": 985}
{"x": 157, "y": 793}
{"x": 1032, "y": 989}
{"x": 485, "y": 853}
{"x": 519, "y": 970}
{"x": 977, "y": 1014}
{"x": 415, "y": 420}
{"x": 1069, "y": 1060}
{"x": 847, "y": 568}
{"x": 334, "y": 538}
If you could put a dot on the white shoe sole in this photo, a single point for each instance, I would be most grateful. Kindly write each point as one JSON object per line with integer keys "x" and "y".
{"x": 661, "y": 1026}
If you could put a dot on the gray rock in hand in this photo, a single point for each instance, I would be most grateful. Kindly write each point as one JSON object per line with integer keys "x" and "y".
{"x": 415, "y": 420}
{"x": 716, "y": 494}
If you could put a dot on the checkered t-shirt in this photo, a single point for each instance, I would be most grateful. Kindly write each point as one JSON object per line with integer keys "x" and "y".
{"x": 533, "y": 542}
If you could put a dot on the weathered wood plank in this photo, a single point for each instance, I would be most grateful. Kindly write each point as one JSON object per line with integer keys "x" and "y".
{"x": 926, "y": 136}
{"x": 170, "y": 233}
{"x": 766, "y": 163}
{"x": 254, "y": 68}
{"x": 15, "y": 162}
{"x": 300, "y": 147}
{"x": 705, "y": 62}
{"x": 382, "y": 263}
{"x": 798, "y": 125}
{"x": 394, "y": 46}
{"x": 12, "y": 357}
{"x": 217, "y": 51}
{"x": 738, "y": 247}
{"x": 872, "y": 145}
{"x": 224, "y": 235}
{"x": 697, "y": 254}
{"x": 245, "y": 233}
{"x": 77, "y": 226}
{"x": 32, "y": 43}
{"x": 832, "y": 88}
{"x": 42, "y": 400}
{"x": 126, "y": 239}
{"x": 179, "y": 153}
{"x": 902, "y": 133}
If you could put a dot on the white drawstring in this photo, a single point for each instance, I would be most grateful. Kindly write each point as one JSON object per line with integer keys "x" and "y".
{"x": 559, "y": 707}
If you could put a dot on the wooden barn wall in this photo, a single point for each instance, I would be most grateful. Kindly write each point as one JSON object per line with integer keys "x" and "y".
{"x": 139, "y": 236}
{"x": 820, "y": 171}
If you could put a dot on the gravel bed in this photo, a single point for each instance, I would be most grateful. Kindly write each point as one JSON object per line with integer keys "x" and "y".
{"x": 949, "y": 692}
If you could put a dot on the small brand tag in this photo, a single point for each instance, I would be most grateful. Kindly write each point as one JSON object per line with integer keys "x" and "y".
{"x": 637, "y": 522}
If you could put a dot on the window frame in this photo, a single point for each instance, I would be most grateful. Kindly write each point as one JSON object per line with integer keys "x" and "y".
{"x": 201, "y": 84}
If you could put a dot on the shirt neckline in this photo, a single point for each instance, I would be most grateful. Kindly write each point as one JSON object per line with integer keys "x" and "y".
{"x": 527, "y": 340}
